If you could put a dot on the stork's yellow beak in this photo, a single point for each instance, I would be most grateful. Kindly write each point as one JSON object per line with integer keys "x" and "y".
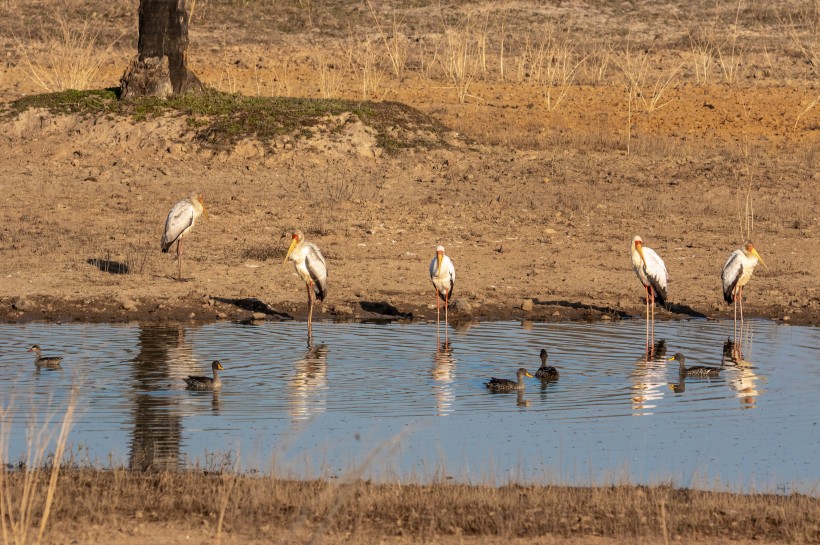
{"x": 439, "y": 258}
{"x": 292, "y": 246}
{"x": 639, "y": 247}
{"x": 757, "y": 255}
{"x": 201, "y": 199}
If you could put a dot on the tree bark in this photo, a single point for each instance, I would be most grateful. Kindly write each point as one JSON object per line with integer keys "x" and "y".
{"x": 159, "y": 69}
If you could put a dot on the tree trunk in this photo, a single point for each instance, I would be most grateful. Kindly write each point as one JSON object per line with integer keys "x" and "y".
{"x": 159, "y": 68}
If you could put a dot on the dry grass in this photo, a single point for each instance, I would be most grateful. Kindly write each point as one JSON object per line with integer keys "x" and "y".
{"x": 64, "y": 53}
{"x": 27, "y": 494}
{"x": 465, "y": 53}
{"x": 423, "y": 511}
{"x": 803, "y": 27}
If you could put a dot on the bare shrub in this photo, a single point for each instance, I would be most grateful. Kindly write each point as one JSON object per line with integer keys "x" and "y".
{"x": 331, "y": 75}
{"x": 465, "y": 53}
{"x": 803, "y": 29}
{"x": 364, "y": 59}
{"x": 395, "y": 43}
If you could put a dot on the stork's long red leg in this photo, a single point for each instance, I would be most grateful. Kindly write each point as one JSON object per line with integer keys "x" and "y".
{"x": 310, "y": 309}
{"x": 652, "y": 309}
{"x": 446, "y": 305}
{"x": 740, "y": 296}
{"x": 179, "y": 258}
{"x": 446, "y": 318}
{"x": 646, "y": 294}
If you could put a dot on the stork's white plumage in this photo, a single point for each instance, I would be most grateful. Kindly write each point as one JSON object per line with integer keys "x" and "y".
{"x": 310, "y": 266}
{"x": 180, "y": 221}
{"x": 443, "y": 276}
{"x": 651, "y": 271}
{"x": 736, "y": 273}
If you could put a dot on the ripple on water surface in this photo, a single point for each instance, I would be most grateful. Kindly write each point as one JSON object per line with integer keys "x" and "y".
{"x": 323, "y": 408}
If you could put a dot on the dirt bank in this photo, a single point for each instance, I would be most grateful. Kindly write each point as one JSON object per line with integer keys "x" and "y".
{"x": 534, "y": 201}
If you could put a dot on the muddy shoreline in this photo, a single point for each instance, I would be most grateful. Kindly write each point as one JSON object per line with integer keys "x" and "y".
{"x": 211, "y": 309}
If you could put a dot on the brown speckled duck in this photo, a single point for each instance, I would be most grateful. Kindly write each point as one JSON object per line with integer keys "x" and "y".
{"x": 206, "y": 383}
{"x": 506, "y": 385}
{"x": 697, "y": 370}
{"x": 546, "y": 372}
{"x": 41, "y": 361}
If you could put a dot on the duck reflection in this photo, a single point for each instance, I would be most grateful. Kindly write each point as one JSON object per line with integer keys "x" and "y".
{"x": 679, "y": 387}
{"x": 649, "y": 379}
{"x": 164, "y": 357}
{"x": 443, "y": 374}
{"x": 307, "y": 388}
{"x": 744, "y": 381}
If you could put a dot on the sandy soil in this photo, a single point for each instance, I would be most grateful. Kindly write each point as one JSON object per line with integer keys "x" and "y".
{"x": 531, "y": 204}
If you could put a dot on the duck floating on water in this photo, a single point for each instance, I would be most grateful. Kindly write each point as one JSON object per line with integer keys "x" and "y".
{"x": 697, "y": 370}
{"x": 546, "y": 372}
{"x": 41, "y": 361}
{"x": 507, "y": 385}
{"x": 206, "y": 383}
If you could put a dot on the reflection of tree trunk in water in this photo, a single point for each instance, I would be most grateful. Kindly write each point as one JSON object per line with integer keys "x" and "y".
{"x": 157, "y": 425}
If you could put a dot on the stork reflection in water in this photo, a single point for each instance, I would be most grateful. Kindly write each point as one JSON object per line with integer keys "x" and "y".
{"x": 744, "y": 381}
{"x": 443, "y": 374}
{"x": 307, "y": 388}
{"x": 649, "y": 378}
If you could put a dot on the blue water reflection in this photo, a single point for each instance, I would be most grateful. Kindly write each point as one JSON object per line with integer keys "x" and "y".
{"x": 398, "y": 401}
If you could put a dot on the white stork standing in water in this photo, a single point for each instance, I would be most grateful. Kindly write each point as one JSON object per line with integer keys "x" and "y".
{"x": 179, "y": 223}
{"x": 651, "y": 271}
{"x": 310, "y": 266}
{"x": 443, "y": 276}
{"x": 736, "y": 273}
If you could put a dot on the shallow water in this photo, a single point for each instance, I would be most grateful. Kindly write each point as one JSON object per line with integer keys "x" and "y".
{"x": 392, "y": 402}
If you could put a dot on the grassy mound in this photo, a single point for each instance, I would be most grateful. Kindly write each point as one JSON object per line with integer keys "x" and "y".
{"x": 221, "y": 119}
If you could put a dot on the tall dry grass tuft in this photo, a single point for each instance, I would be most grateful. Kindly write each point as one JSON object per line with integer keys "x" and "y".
{"x": 703, "y": 56}
{"x": 64, "y": 54}
{"x": 644, "y": 91}
{"x": 646, "y": 77}
{"x": 331, "y": 75}
{"x": 465, "y": 53}
{"x": 365, "y": 63}
{"x": 395, "y": 42}
{"x": 743, "y": 192}
{"x": 803, "y": 28}
{"x": 730, "y": 53}
{"x": 805, "y": 110}
{"x": 29, "y": 490}
{"x": 550, "y": 61}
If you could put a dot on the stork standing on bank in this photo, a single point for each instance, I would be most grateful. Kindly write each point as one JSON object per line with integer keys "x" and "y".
{"x": 736, "y": 273}
{"x": 181, "y": 220}
{"x": 651, "y": 271}
{"x": 443, "y": 276}
{"x": 310, "y": 266}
